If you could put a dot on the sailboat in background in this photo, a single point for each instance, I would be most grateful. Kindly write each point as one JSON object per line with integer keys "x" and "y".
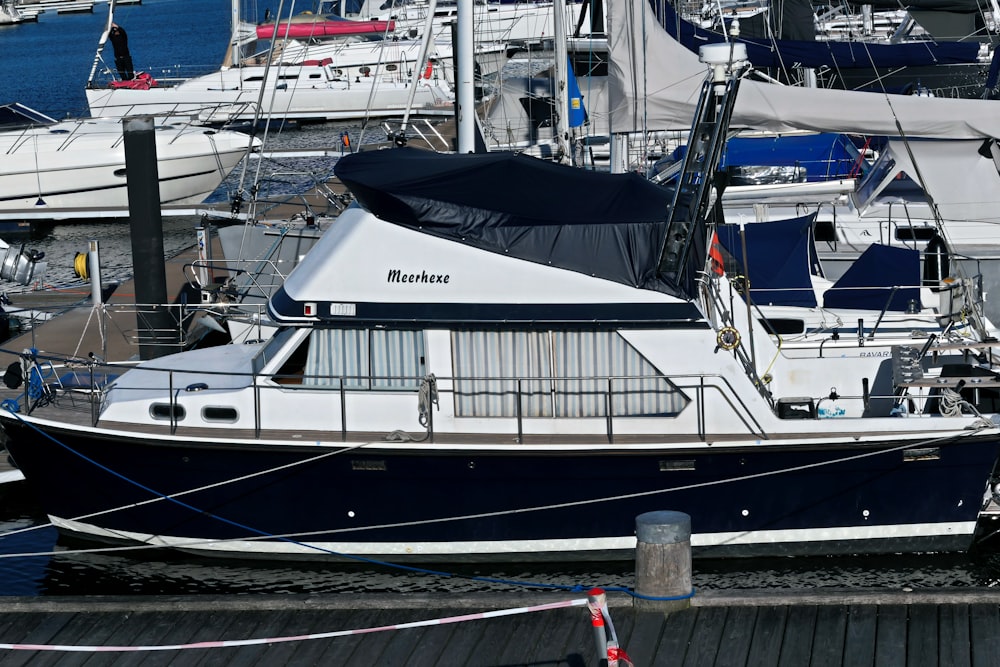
{"x": 307, "y": 90}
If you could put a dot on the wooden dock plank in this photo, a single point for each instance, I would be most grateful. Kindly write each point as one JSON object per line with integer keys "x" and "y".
{"x": 127, "y": 633}
{"x": 321, "y": 651}
{"x": 984, "y": 620}
{"x": 355, "y": 649}
{"x": 190, "y": 627}
{"x": 81, "y": 629}
{"x": 922, "y": 636}
{"x": 736, "y": 632}
{"x": 829, "y": 636}
{"x": 247, "y": 625}
{"x": 737, "y": 635}
{"x": 890, "y": 637}
{"x": 859, "y": 640}
{"x": 28, "y": 628}
{"x": 768, "y": 635}
{"x": 706, "y": 637}
{"x": 580, "y": 635}
{"x": 571, "y": 637}
{"x": 953, "y": 636}
{"x": 654, "y": 636}
{"x": 472, "y": 649}
{"x": 796, "y": 645}
{"x": 527, "y": 634}
{"x": 148, "y": 628}
{"x": 399, "y": 645}
{"x": 292, "y": 623}
{"x": 431, "y": 646}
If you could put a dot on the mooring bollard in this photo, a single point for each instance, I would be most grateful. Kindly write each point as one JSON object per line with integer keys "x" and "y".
{"x": 663, "y": 561}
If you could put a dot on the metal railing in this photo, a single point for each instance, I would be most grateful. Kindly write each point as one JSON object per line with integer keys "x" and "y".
{"x": 92, "y": 379}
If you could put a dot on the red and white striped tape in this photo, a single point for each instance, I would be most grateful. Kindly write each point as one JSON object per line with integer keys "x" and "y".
{"x": 296, "y": 638}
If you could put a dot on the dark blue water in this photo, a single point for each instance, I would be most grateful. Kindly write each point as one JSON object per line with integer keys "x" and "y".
{"x": 46, "y": 64}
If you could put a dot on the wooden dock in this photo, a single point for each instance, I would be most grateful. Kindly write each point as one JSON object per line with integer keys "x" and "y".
{"x": 753, "y": 628}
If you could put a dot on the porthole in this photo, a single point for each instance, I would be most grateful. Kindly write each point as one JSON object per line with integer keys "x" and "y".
{"x": 163, "y": 411}
{"x": 390, "y": 68}
{"x": 219, "y": 414}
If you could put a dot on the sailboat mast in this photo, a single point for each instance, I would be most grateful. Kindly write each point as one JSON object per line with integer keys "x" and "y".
{"x": 562, "y": 94}
{"x": 102, "y": 42}
{"x": 709, "y": 131}
{"x": 465, "y": 94}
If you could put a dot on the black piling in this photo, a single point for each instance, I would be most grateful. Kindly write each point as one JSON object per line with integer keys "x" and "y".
{"x": 157, "y": 328}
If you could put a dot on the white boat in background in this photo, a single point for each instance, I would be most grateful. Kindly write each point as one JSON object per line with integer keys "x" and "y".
{"x": 80, "y": 163}
{"x": 520, "y": 23}
{"x": 254, "y": 87}
{"x": 9, "y": 13}
{"x": 309, "y": 92}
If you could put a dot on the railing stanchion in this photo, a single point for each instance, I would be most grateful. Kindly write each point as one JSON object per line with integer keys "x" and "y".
{"x": 343, "y": 412}
{"x": 520, "y": 429}
{"x": 256, "y": 406}
{"x": 609, "y": 402}
{"x": 173, "y": 402}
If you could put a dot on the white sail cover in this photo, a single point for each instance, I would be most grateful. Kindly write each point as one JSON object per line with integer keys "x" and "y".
{"x": 655, "y": 84}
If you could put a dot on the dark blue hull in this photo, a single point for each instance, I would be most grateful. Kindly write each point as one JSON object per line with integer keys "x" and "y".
{"x": 765, "y": 499}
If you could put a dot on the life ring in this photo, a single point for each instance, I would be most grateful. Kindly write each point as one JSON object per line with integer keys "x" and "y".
{"x": 728, "y": 338}
{"x": 429, "y": 71}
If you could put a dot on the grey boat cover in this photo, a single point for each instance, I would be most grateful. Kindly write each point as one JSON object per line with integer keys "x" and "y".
{"x": 610, "y": 226}
{"x": 655, "y": 84}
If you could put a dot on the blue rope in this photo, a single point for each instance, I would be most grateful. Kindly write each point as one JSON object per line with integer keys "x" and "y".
{"x": 575, "y": 588}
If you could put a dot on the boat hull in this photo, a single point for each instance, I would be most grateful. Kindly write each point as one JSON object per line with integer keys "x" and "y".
{"x": 338, "y": 101}
{"x": 413, "y": 501}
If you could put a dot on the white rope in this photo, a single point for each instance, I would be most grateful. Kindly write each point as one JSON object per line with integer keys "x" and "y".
{"x": 295, "y": 638}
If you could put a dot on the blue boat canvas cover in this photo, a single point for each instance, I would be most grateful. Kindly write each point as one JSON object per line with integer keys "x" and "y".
{"x": 780, "y": 259}
{"x": 823, "y": 156}
{"x": 611, "y": 226}
{"x": 871, "y": 281}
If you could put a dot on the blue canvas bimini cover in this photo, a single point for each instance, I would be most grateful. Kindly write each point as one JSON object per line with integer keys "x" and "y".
{"x": 824, "y": 156}
{"x": 882, "y": 277}
{"x": 611, "y": 226}
{"x": 780, "y": 259}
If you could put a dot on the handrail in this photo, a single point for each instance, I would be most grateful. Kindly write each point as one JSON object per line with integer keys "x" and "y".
{"x": 681, "y": 384}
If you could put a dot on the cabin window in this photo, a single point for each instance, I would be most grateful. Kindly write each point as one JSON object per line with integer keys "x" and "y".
{"x": 870, "y": 183}
{"x": 564, "y": 374}
{"x": 779, "y": 326}
{"x": 163, "y": 411}
{"x": 223, "y": 414}
{"x": 358, "y": 359}
{"x": 270, "y": 350}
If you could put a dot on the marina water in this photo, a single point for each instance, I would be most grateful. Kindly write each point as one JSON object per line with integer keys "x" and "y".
{"x": 46, "y": 67}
